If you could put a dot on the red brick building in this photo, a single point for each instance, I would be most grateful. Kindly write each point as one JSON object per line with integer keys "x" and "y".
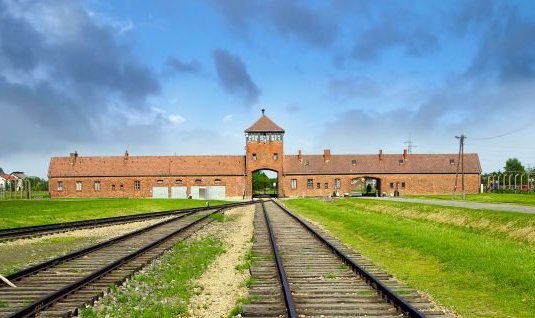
{"x": 211, "y": 177}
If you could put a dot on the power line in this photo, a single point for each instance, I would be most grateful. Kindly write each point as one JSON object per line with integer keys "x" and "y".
{"x": 511, "y": 132}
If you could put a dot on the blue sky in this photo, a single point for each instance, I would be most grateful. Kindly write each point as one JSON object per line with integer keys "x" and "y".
{"x": 187, "y": 77}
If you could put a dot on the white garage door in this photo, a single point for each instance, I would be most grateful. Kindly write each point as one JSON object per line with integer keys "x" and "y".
{"x": 179, "y": 192}
{"x": 216, "y": 192}
{"x": 160, "y": 193}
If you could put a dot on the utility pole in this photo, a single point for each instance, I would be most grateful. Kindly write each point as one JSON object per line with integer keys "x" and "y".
{"x": 460, "y": 162}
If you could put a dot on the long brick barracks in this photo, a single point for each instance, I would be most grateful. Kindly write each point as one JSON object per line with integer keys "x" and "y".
{"x": 218, "y": 177}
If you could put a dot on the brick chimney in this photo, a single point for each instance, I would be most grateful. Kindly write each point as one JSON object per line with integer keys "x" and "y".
{"x": 299, "y": 156}
{"x": 405, "y": 155}
{"x": 381, "y": 157}
{"x": 327, "y": 155}
{"x": 73, "y": 156}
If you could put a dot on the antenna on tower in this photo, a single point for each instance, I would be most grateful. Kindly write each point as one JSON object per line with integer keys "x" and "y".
{"x": 410, "y": 144}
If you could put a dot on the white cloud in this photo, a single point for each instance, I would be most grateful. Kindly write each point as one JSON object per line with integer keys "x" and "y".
{"x": 176, "y": 120}
{"x": 228, "y": 117}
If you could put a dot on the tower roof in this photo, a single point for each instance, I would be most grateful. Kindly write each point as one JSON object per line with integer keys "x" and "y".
{"x": 264, "y": 124}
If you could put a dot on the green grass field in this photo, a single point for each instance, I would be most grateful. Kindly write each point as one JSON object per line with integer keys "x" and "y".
{"x": 18, "y": 213}
{"x": 478, "y": 263}
{"x": 521, "y": 199}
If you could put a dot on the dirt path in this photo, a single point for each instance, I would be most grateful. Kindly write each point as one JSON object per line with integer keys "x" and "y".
{"x": 503, "y": 207}
{"x": 222, "y": 284}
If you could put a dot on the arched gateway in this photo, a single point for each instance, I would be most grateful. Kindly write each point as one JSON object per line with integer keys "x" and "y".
{"x": 264, "y": 151}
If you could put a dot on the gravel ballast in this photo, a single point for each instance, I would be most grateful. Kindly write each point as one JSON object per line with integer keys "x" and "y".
{"x": 222, "y": 285}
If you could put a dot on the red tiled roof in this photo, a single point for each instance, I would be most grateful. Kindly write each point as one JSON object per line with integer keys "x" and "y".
{"x": 370, "y": 164}
{"x": 8, "y": 176}
{"x": 264, "y": 124}
{"x": 146, "y": 166}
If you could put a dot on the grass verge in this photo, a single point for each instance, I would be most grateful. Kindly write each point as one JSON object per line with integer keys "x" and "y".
{"x": 27, "y": 213}
{"x": 520, "y": 199}
{"x": 169, "y": 284}
{"x": 474, "y": 271}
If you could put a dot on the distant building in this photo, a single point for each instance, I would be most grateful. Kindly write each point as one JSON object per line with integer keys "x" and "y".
{"x": 9, "y": 181}
{"x": 210, "y": 177}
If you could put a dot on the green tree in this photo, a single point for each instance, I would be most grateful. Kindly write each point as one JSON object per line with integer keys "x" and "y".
{"x": 514, "y": 165}
{"x": 260, "y": 181}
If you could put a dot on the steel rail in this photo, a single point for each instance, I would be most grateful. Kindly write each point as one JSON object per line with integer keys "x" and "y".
{"x": 285, "y": 286}
{"x": 52, "y": 298}
{"x": 370, "y": 279}
{"x": 13, "y": 233}
{"x": 44, "y": 265}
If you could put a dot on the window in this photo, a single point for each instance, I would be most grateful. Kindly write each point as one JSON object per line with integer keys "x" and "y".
{"x": 217, "y": 181}
{"x": 121, "y": 187}
{"x": 254, "y": 156}
{"x": 198, "y": 181}
{"x": 318, "y": 185}
{"x": 310, "y": 183}
{"x": 275, "y": 156}
{"x": 60, "y": 185}
{"x": 159, "y": 181}
{"x": 293, "y": 184}
{"x": 137, "y": 185}
{"x": 96, "y": 185}
{"x": 403, "y": 185}
{"x": 452, "y": 161}
{"x": 337, "y": 184}
{"x": 78, "y": 185}
{"x": 391, "y": 185}
{"x": 113, "y": 187}
{"x": 178, "y": 181}
{"x": 326, "y": 185}
{"x": 401, "y": 161}
{"x": 354, "y": 162}
{"x": 307, "y": 162}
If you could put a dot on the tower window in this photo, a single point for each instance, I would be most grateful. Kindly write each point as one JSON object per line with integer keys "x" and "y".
{"x": 254, "y": 156}
{"x": 452, "y": 161}
{"x": 178, "y": 181}
{"x": 354, "y": 162}
{"x": 275, "y": 156}
{"x": 160, "y": 181}
{"x": 307, "y": 163}
{"x": 217, "y": 181}
{"x": 198, "y": 181}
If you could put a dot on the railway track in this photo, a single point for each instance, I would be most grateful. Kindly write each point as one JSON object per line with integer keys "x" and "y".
{"x": 299, "y": 271}
{"x": 40, "y": 230}
{"x": 59, "y": 287}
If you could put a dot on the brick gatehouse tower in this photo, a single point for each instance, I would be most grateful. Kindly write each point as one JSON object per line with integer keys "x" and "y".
{"x": 264, "y": 151}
